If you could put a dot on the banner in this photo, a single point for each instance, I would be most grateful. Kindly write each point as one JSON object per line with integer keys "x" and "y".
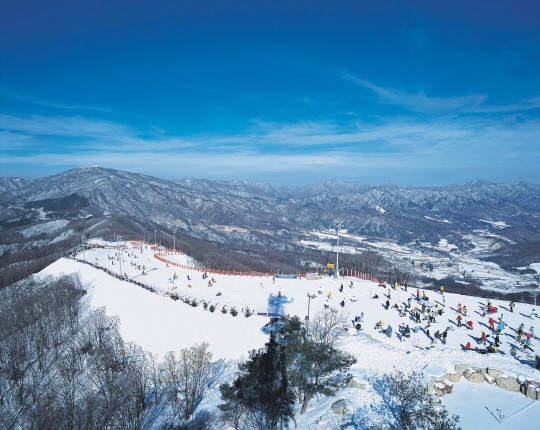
{"x": 286, "y": 276}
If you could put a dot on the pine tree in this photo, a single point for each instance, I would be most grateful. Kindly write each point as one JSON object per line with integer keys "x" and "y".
{"x": 262, "y": 389}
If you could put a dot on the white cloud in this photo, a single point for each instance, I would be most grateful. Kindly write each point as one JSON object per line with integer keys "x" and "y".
{"x": 420, "y": 102}
{"x": 404, "y": 147}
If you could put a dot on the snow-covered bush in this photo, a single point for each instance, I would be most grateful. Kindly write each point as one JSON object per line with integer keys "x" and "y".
{"x": 233, "y": 311}
{"x": 223, "y": 310}
{"x": 212, "y": 308}
{"x": 248, "y": 313}
{"x": 194, "y": 303}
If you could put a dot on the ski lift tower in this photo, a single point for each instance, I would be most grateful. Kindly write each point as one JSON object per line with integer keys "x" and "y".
{"x": 337, "y": 227}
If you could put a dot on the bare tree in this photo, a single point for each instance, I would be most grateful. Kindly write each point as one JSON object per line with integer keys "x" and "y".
{"x": 189, "y": 377}
{"x": 327, "y": 325}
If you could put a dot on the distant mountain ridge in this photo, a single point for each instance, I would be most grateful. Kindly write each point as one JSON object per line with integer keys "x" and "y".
{"x": 203, "y": 207}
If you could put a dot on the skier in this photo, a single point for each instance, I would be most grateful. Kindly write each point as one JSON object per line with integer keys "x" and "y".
{"x": 389, "y": 293}
{"x": 491, "y": 324}
{"x": 444, "y": 335}
{"x": 482, "y": 338}
{"x": 342, "y": 303}
{"x": 409, "y": 302}
{"x": 442, "y": 289}
{"x": 500, "y": 326}
{"x": 497, "y": 341}
{"x": 464, "y": 311}
{"x": 407, "y": 332}
{"x": 468, "y": 346}
{"x": 459, "y": 307}
{"x": 389, "y": 331}
{"x": 329, "y": 294}
{"x": 341, "y": 288}
{"x": 417, "y": 295}
{"x": 387, "y": 304}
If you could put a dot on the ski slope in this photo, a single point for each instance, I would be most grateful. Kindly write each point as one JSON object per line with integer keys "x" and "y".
{"x": 160, "y": 324}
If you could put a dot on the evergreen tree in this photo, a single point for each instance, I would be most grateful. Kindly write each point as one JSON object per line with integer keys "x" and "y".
{"x": 413, "y": 406}
{"x": 262, "y": 389}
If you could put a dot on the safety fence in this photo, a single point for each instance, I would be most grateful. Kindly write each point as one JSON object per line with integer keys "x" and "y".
{"x": 357, "y": 274}
{"x": 311, "y": 276}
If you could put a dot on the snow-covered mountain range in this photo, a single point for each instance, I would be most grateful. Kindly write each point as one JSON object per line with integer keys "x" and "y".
{"x": 390, "y": 211}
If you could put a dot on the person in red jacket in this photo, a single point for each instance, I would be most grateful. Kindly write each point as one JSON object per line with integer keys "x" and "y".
{"x": 469, "y": 323}
{"x": 468, "y": 346}
{"x": 459, "y": 320}
{"x": 483, "y": 338}
{"x": 491, "y": 324}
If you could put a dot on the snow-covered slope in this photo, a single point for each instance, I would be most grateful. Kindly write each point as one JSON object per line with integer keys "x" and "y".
{"x": 160, "y": 324}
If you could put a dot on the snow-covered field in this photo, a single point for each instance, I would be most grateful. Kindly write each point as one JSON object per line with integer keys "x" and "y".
{"x": 160, "y": 324}
{"x": 456, "y": 264}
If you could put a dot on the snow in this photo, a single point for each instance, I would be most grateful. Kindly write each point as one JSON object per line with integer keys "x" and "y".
{"x": 47, "y": 227}
{"x": 496, "y": 224}
{"x": 160, "y": 324}
{"x": 469, "y": 400}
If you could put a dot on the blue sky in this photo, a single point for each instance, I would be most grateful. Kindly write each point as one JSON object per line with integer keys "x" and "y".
{"x": 412, "y": 93}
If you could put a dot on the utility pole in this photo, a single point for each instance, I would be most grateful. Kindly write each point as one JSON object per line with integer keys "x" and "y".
{"x": 82, "y": 244}
{"x": 155, "y": 237}
{"x": 338, "y": 226}
{"x": 175, "y": 241}
{"x": 120, "y": 260}
{"x": 310, "y": 296}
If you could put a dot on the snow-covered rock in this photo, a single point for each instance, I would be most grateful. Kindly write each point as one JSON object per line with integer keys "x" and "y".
{"x": 509, "y": 383}
{"x": 340, "y": 407}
